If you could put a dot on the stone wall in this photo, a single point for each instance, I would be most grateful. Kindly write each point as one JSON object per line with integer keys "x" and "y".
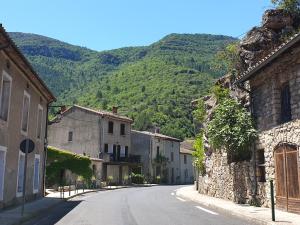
{"x": 228, "y": 181}
{"x": 268, "y": 140}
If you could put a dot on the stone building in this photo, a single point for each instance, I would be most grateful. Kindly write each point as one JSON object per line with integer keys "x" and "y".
{"x": 159, "y": 156}
{"x": 24, "y": 100}
{"x": 186, "y": 162}
{"x": 97, "y": 134}
{"x": 273, "y": 85}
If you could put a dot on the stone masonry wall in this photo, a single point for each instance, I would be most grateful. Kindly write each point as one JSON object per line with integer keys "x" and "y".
{"x": 268, "y": 140}
{"x": 228, "y": 181}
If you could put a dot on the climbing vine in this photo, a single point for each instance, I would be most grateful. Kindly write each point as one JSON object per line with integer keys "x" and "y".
{"x": 60, "y": 160}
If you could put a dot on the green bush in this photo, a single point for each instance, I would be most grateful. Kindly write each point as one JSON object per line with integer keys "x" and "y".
{"x": 137, "y": 178}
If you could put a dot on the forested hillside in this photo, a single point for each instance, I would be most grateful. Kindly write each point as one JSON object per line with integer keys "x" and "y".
{"x": 153, "y": 84}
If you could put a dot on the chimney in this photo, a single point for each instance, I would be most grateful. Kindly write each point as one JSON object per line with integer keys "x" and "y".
{"x": 115, "y": 109}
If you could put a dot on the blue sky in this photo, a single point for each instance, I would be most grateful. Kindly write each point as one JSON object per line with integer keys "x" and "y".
{"x": 109, "y": 24}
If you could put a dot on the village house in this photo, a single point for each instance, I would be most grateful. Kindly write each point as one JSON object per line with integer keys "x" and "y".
{"x": 24, "y": 100}
{"x": 186, "y": 162}
{"x": 273, "y": 85}
{"x": 99, "y": 135}
{"x": 159, "y": 156}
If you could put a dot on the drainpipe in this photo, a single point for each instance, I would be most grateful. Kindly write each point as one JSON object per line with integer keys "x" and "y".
{"x": 45, "y": 151}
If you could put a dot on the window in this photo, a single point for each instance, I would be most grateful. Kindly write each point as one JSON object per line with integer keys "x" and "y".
{"x": 5, "y": 96}
{"x": 36, "y": 174}
{"x": 70, "y": 136}
{"x": 118, "y": 152}
{"x": 110, "y": 127}
{"x": 2, "y": 170}
{"x": 260, "y": 169}
{"x": 184, "y": 159}
{"x": 186, "y": 173}
{"x": 25, "y": 112}
{"x": 106, "y": 148}
{"x": 157, "y": 151}
{"x": 39, "y": 121}
{"x": 21, "y": 170}
{"x": 126, "y": 151}
{"x": 172, "y": 156}
{"x": 114, "y": 152}
{"x": 94, "y": 170}
{"x": 122, "y": 129}
{"x": 286, "y": 114}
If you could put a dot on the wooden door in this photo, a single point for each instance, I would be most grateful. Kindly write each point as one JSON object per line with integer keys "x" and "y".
{"x": 287, "y": 178}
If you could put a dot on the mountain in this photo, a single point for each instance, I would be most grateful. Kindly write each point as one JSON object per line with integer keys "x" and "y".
{"x": 152, "y": 84}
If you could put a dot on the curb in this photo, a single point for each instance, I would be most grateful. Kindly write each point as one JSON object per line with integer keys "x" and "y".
{"x": 227, "y": 211}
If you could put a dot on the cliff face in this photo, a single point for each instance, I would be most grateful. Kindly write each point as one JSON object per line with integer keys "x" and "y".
{"x": 277, "y": 24}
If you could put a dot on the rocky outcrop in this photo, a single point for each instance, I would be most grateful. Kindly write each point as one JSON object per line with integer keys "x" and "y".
{"x": 260, "y": 41}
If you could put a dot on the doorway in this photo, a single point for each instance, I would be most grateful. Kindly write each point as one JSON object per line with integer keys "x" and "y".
{"x": 287, "y": 178}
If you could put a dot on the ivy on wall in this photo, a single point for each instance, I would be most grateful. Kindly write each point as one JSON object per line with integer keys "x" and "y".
{"x": 61, "y": 160}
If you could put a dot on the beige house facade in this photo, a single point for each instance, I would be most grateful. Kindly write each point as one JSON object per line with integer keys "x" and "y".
{"x": 186, "y": 162}
{"x": 24, "y": 100}
{"x": 97, "y": 134}
{"x": 159, "y": 156}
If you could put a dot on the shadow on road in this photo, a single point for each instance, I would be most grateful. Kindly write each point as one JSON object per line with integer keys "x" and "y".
{"x": 55, "y": 214}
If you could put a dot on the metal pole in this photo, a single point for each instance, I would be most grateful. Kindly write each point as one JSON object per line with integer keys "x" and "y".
{"x": 25, "y": 171}
{"x": 272, "y": 200}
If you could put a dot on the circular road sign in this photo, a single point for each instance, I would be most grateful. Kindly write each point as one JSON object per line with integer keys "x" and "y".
{"x": 25, "y": 143}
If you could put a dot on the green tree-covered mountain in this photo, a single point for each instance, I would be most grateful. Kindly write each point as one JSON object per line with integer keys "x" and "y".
{"x": 152, "y": 84}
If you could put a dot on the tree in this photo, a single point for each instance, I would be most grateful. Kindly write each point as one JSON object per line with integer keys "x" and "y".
{"x": 199, "y": 154}
{"x": 231, "y": 128}
{"x": 292, "y": 6}
{"x": 200, "y": 113}
{"x": 99, "y": 94}
{"x": 226, "y": 58}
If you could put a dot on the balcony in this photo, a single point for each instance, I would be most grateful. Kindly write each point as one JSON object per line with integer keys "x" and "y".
{"x": 110, "y": 157}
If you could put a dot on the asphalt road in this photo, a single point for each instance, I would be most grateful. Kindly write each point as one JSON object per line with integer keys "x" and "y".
{"x": 134, "y": 206}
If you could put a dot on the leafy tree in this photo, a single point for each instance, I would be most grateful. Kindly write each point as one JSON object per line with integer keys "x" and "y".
{"x": 292, "y": 6}
{"x": 220, "y": 93}
{"x": 199, "y": 154}
{"x": 231, "y": 128}
{"x": 227, "y": 58}
{"x": 99, "y": 94}
{"x": 200, "y": 113}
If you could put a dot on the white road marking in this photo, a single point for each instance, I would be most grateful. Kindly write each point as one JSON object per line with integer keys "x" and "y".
{"x": 206, "y": 210}
{"x": 180, "y": 199}
{"x": 172, "y": 193}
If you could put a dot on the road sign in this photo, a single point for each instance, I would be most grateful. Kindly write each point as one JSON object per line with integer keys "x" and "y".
{"x": 27, "y": 143}
{"x": 26, "y": 146}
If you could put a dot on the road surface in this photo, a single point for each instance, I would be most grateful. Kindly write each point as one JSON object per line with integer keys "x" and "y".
{"x": 157, "y": 205}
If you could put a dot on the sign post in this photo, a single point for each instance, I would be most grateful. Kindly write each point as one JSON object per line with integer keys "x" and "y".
{"x": 272, "y": 200}
{"x": 26, "y": 146}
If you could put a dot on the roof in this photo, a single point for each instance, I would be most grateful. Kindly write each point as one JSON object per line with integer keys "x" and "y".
{"x": 100, "y": 113}
{"x": 10, "y": 48}
{"x": 268, "y": 59}
{"x": 186, "y": 147}
{"x": 158, "y": 135}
